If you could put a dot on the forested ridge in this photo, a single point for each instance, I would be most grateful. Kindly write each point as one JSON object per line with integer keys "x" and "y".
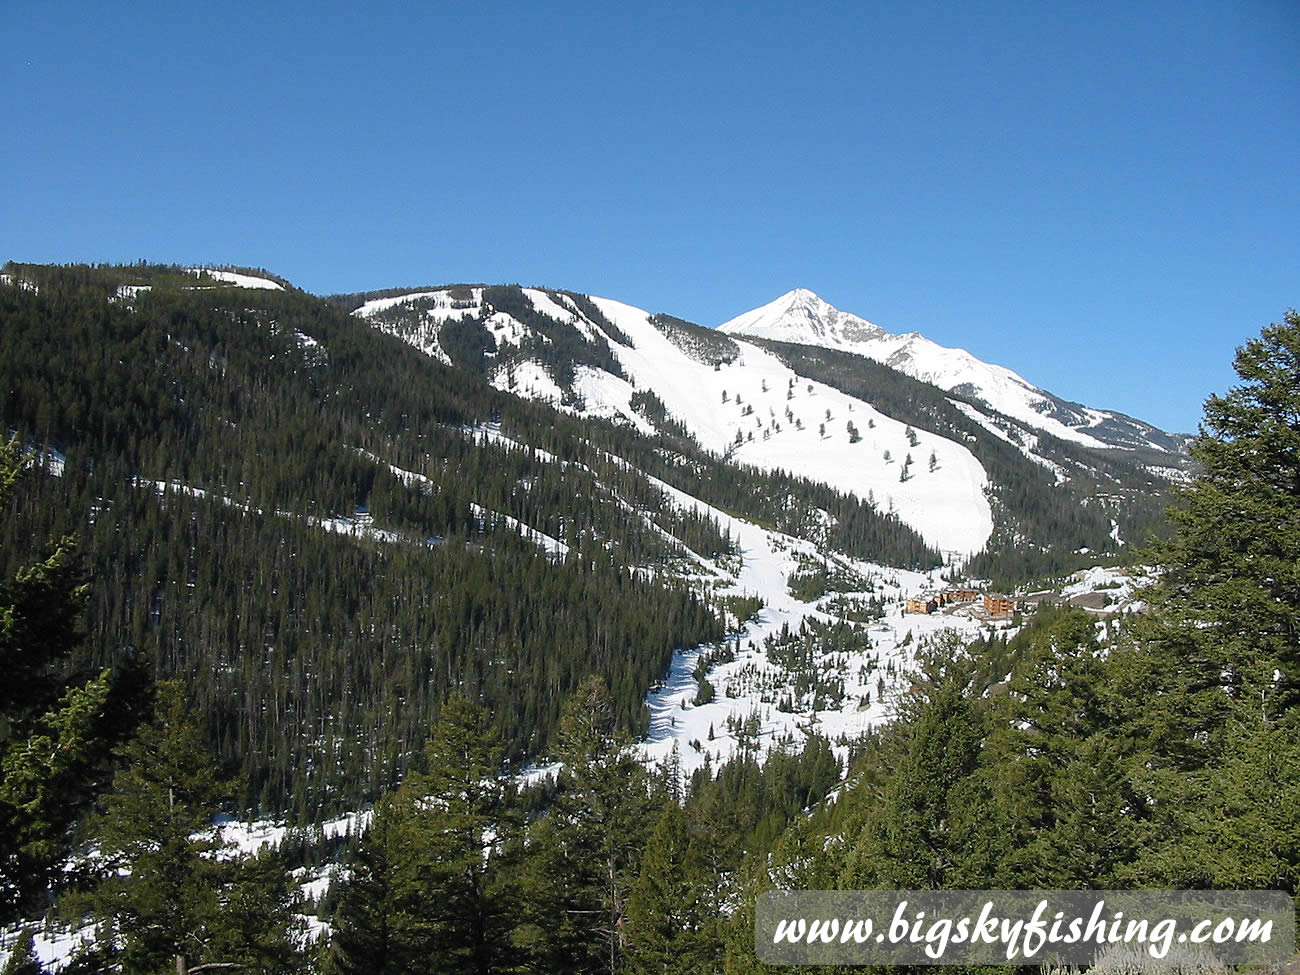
{"x": 316, "y": 669}
{"x": 215, "y": 435}
{"x": 318, "y": 660}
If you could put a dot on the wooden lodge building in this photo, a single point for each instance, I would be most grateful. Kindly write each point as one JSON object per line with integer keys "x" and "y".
{"x": 995, "y": 604}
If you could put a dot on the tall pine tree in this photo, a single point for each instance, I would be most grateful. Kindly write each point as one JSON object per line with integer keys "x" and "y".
{"x": 57, "y": 727}
{"x": 585, "y": 853}
{"x": 165, "y": 899}
{"x": 432, "y": 875}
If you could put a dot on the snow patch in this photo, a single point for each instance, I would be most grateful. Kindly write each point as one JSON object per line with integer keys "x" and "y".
{"x": 238, "y": 280}
{"x": 748, "y": 687}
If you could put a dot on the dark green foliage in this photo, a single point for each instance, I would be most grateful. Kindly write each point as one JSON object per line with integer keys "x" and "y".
{"x": 675, "y": 908}
{"x": 743, "y": 608}
{"x": 705, "y": 694}
{"x": 651, "y": 407}
{"x": 1058, "y": 801}
{"x": 1219, "y": 662}
{"x": 161, "y": 895}
{"x": 434, "y": 874}
{"x": 748, "y": 804}
{"x": 354, "y": 300}
{"x": 1233, "y": 824}
{"x": 1234, "y": 575}
{"x": 813, "y": 580}
{"x": 59, "y": 719}
{"x": 366, "y": 937}
{"x": 913, "y": 841}
{"x": 468, "y": 344}
{"x": 584, "y": 856}
{"x": 318, "y": 660}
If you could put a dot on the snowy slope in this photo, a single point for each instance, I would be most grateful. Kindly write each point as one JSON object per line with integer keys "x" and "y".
{"x": 752, "y": 408}
{"x": 946, "y": 506}
{"x": 750, "y": 686}
{"x": 238, "y": 280}
{"x": 800, "y": 316}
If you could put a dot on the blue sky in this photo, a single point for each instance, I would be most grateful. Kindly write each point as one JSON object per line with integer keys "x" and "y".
{"x": 1102, "y": 196}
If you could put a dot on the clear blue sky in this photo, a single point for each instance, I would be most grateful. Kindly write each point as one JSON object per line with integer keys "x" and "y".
{"x": 1103, "y": 196}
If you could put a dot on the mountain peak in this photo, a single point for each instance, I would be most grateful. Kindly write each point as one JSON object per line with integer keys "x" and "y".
{"x": 804, "y": 317}
{"x": 803, "y": 295}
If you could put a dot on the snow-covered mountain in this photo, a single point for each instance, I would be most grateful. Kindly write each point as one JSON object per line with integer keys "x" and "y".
{"x": 802, "y": 317}
{"x": 921, "y": 451}
{"x": 732, "y": 396}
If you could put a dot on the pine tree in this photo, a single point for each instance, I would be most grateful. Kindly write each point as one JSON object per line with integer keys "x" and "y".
{"x": 673, "y": 911}
{"x": 431, "y": 877}
{"x": 1056, "y": 801}
{"x": 1218, "y": 662}
{"x": 585, "y": 852}
{"x": 1233, "y": 825}
{"x": 462, "y": 842}
{"x": 914, "y": 841}
{"x": 163, "y": 893}
{"x": 365, "y": 930}
{"x": 57, "y": 728}
{"x": 1232, "y": 586}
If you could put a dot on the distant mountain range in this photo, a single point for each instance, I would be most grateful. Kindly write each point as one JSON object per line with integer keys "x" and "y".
{"x": 801, "y": 317}
{"x": 798, "y": 386}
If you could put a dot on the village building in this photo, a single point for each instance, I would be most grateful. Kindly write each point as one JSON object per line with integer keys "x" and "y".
{"x": 924, "y": 604}
{"x": 996, "y": 604}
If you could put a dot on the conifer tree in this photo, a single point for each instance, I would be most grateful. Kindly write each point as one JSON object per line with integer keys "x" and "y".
{"x": 163, "y": 893}
{"x": 461, "y": 841}
{"x": 366, "y": 935}
{"x": 430, "y": 878}
{"x": 56, "y": 729}
{"x": 1218, "y": 663}
{"x": 586, "y": 851}
{"x": 1232, "y": 588}
{"x": 673, "y": 911}
{"x": 1055, "y": 802}
{"x": 914, "y": 841}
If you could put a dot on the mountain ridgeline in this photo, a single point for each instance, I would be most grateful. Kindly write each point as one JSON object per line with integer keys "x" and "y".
{"x": 1059, "y": 485}
{"x": 324, "y": 531}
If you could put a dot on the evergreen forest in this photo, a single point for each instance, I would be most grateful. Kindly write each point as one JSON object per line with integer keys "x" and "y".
{"x": 258, "y": 558}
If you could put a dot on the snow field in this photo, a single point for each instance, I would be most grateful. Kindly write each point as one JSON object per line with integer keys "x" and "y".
{"x": 803, "y": 317}
{"x": 947, "y": 506}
